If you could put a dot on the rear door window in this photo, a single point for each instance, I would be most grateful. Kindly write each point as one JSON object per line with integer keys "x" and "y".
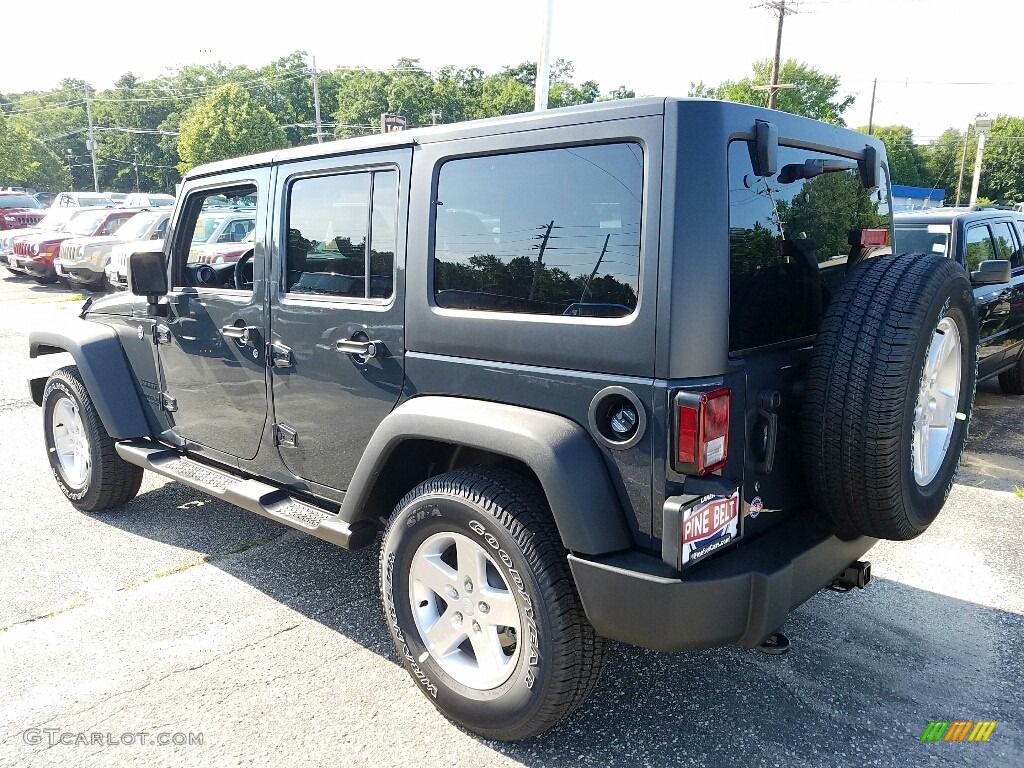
{"x": 790, "y": 243}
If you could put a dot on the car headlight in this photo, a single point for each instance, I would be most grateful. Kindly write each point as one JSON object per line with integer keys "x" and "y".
{"x": 35, "y": 249}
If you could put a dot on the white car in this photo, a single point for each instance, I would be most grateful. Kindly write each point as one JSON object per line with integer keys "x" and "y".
{"x": 83, "y": 260}
{"x": 116, "y": 270}
{"x": 80, "y": 199}
{"x": 147, "y": 200}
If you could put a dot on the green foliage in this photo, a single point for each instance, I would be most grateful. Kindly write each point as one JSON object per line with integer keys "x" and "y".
{"x": 815, "y": 95}
{"x": 1002, "y": 169}
{"x": 26, "y": 162}
{"x": 227, "y": 123}
{"x": 942, "y": 158}
{"x": 906, "y": 159}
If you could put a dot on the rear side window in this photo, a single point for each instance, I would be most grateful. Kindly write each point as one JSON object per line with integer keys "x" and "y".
{"x": 1006, "y": 244}
{"x": 548, "y": 232}
{"x": 342, "y": 235}
{"x": 789, "y": 244}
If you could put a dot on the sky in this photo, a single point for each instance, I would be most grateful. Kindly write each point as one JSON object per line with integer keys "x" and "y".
{"x": 938, "y": 63}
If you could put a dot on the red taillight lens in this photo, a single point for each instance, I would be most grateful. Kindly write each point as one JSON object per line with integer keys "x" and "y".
{"x": 871, "y": 238}
{"x": 702, "y": 431}
{"x": 687, "y": 435}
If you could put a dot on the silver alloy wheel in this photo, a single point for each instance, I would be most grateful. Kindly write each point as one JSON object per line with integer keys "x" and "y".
{"x": 936, "y": 411}
{"x": 465, "y": 612}
{"x": 70, "y": 442}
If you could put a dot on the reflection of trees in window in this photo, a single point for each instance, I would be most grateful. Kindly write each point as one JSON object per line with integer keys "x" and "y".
{"x": 509, "y": 283}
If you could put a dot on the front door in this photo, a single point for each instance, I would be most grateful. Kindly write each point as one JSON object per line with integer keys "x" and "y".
{"x": 993, "y": 301}
{"x": 337, "y": 314}
{"x": 211, "y": 344}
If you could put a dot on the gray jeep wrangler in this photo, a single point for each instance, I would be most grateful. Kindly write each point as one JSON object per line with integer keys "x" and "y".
{"x": 643, "y": 370}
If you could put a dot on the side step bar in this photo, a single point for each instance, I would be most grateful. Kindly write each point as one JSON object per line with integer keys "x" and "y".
{"x": 263, "y": 499}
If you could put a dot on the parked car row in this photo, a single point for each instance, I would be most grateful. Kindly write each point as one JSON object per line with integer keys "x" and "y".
{"x": 88, "y": 247}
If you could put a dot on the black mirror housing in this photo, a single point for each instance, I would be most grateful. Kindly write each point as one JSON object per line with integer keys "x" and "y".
{"x": 993, "y": 272}
{"x": 766, "y": 162}
{"x": 870, "y": 168}
{"x": 147, "y": 274}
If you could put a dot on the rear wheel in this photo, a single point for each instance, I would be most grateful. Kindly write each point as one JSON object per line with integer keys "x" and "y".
{"x": 889, "y": 395}
{"x": 81, "y": 453}
{"x": 1011, "y": 382}
{"x": 481, "y": 604}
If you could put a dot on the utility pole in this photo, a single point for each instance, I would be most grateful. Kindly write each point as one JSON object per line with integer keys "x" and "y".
{"x": 963, "y": 162}
{"x": 136, "y": 164}
{"x": 540, "y": 100}
{"x": 774, "y": 86}
{"x": 597, "y": 266}
{"x": 434, "y": 114}
{"x": 92, "y": 141}
{"x": 982, "y": 126}
{"x": 316, "y": 103}
{"x": 871, "y": 114}
{"x": 540, "y": 258}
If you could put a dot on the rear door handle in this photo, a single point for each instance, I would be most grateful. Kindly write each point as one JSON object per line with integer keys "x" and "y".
{"x": 247, "y": 334}
{"x": 360, "y": 348}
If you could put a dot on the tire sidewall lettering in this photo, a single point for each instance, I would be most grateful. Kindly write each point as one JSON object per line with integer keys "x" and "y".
{"x": 56, "y": 385}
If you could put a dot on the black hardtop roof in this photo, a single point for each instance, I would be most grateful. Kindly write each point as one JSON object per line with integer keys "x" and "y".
{"x": 823, "y": 134}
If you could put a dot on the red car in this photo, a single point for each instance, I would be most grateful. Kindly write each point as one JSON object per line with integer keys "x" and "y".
{"x": 19, "y": 211}
{"x": 34, "y": 254}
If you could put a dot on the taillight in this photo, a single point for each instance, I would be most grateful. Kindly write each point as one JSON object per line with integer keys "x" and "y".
{"x": 702, "y": 431}
{"x": 872, "y": 238}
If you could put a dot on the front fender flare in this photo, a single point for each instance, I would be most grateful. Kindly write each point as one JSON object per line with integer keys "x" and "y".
{"x": 560, "y": 452}
{"x": 104, "y": 369}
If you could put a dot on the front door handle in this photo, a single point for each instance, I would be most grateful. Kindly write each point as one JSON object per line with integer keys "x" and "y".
{"x": 360, "y": 348}
{"x": 247, "y": 334}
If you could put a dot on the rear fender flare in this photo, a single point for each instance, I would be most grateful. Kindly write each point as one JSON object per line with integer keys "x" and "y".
{"x": 562, "y": 454}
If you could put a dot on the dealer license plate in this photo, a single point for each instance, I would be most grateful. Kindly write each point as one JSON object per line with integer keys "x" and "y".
{"x": 710, "y": 524}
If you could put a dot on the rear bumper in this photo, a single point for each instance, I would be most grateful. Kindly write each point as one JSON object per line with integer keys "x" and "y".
{"x": 738, "y": 598}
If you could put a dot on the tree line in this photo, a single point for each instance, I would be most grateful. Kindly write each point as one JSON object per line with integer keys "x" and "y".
{"x": 150, "y": 132}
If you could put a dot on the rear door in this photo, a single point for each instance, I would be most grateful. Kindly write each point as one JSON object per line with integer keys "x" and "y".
{"x": 1010, "y": 241}
{"x": 993, "y": 301}
{"x": 337, "y": 316}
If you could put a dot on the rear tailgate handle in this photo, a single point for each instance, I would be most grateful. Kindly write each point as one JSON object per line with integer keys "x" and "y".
{"x": 768, "y": 402}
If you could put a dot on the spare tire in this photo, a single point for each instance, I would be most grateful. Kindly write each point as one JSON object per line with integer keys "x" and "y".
{"x": 889, "y": 395}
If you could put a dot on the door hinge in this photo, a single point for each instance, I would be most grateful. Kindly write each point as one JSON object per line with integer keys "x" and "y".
{"x": 285, "y": 435}
{"x": 168, "y": 403}
{"x": 279, "y": 355}
{"x": 161, "y": 334}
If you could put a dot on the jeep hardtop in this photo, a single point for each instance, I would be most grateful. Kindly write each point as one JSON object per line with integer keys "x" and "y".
{"x": 644, "y": 370}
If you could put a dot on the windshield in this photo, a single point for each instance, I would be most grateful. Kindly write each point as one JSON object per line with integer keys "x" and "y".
{"x": 55, "y": 221}
{"x": 137, "y": 226}
{"x": 923, "y": 238}
{"x": 86, "y": 222}
{"x": 19, "y": 201}
{"x": 160, "y": 201}
{"x": 84, "y": 200}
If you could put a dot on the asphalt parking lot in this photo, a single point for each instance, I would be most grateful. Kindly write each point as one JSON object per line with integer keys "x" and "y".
{"x": 181, "y": 615}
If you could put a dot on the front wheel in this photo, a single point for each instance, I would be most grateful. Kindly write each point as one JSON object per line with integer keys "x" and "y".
{"x": 481, "y": 605}
{"x": 82, "y": 456}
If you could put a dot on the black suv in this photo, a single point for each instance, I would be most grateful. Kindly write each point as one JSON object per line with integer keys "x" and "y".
{"x": 973, "y": 237}
{"x": 643, "y": 370}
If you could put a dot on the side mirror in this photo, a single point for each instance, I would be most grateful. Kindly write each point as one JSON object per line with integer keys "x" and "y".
{"x": 147, "y": 276}
{"x": 992, "y": 272}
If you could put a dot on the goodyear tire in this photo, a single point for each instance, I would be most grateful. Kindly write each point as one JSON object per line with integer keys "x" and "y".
{"x": 81, "y": 453}
{"x": 889, "y": 396}
{"x": 481, "y": 605}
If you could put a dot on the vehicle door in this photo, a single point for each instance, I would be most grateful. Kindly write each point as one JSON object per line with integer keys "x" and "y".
{"x": 211, "y": 343}
{"x": 337, "y": 311}
{"x": 993, "y": 300}
{"x": 1010, "y": 240}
